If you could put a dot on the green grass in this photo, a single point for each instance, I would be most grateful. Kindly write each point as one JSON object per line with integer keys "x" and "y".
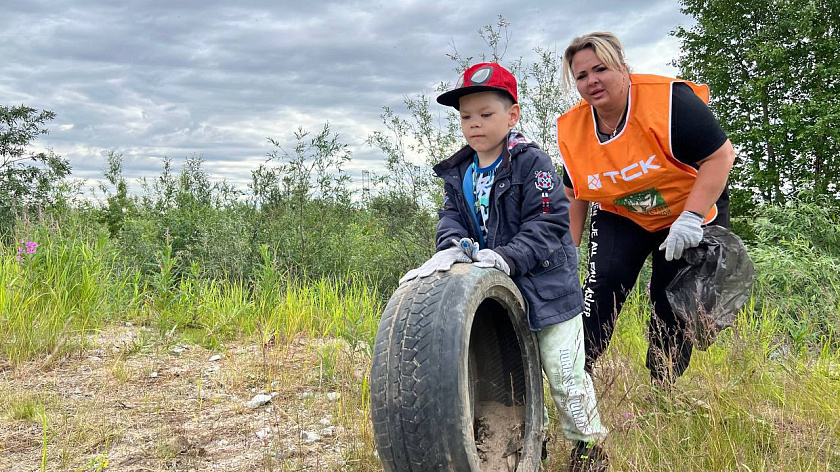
{"x": 51, "y": 301}
{"x": 23, "y": 408}
{"x": 744, "y": 404}
{"x": 760, "y": 399}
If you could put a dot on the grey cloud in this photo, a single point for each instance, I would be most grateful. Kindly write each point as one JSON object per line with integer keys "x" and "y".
{"x": 217, "y": 78}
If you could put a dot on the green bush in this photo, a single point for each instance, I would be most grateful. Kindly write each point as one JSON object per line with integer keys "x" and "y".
{"x": 797, "y": 260}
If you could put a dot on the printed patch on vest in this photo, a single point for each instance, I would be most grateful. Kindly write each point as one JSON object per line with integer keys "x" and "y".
{"x": 544, "y": 182}
{"x": 649, "y": 202}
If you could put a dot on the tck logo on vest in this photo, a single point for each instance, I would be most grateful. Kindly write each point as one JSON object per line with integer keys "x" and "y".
{"x": 633, "y": 171}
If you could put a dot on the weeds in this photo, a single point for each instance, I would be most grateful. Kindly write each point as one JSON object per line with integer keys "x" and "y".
{"x": 765, "y": 396}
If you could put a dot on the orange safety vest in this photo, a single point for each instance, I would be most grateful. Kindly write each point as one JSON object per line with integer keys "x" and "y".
{"x": 634, "y": 174}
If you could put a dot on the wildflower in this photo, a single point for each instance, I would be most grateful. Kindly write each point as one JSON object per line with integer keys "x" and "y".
{"x": 648, "y": 288}
{"x": 26, "y": 247}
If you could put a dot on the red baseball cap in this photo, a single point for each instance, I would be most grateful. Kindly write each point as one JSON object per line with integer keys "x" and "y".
{"x": 481, "y": 77}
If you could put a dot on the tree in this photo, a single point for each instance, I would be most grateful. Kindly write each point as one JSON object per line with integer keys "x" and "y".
{"x": 433, "y": 137}
{"x": 774, "y": 74}
{"x": 27, "y": 180}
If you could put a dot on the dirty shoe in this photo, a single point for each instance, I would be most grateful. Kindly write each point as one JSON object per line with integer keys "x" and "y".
{"x": 588, "y": 457}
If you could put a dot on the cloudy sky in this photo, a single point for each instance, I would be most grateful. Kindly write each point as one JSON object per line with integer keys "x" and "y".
{"x": 177, "y": 78}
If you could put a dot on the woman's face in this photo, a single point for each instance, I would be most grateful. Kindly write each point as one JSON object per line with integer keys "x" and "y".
{"x": 601, "y": 87}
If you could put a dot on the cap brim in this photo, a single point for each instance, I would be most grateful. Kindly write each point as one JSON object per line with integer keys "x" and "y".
{"x": 450, "y": 98}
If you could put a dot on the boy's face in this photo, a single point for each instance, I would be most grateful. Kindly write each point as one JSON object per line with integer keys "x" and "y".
{"x": 485, "y": 122}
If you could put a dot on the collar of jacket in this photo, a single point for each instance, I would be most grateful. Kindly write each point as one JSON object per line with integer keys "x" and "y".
{"x": 466, "y": 154}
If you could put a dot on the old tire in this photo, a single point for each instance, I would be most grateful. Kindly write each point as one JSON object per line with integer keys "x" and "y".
{"x": 450, "y": 347}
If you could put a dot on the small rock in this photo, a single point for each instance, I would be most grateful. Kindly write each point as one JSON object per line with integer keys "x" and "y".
{"x": 78, "y": 391}
{"x": 305, "y": 395}
{"x": 325, "y": 422}
{"x": 153, "y": 375}
{"x": 327, "y": 432}
{"x": 95, "y": 358}
{"x": 129, "y": 324}
{"x": 215, "y": 358}
{"x": 259, "y": 400}
{"x": 309, "y": 437}
{"x": 264, "y": 433}
{"x": 333, "y": 396}
{"x": 223, "y": 442}
{"x": 177, "y": 350}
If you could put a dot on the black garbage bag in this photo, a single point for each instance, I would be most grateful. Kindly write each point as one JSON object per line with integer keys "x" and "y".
{"x": 709, "y": 292}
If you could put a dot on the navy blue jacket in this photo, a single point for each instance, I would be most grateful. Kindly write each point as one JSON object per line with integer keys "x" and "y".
{"x": 536, "y": 244}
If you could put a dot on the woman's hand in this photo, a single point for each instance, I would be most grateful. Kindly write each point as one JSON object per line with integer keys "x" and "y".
{"x": 685, "y": 233}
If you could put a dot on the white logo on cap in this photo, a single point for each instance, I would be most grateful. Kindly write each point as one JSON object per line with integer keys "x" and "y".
{"x": 481, "y": 75}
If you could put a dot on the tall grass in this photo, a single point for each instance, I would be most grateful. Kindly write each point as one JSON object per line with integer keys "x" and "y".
{"x": 747, "y": 403}
{"x": 765, "y": 397}
{"x": 52, "y": 300}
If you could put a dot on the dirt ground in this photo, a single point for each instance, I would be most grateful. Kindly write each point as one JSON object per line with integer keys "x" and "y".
{"x": 498, "y": 435}
{"x": 133, "y": 403}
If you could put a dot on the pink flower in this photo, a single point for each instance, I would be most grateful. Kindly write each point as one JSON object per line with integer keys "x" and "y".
{"x": 26, "y": 247}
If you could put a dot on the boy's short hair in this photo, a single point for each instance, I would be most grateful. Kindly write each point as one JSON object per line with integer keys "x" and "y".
{"x": 505, "y": 98}
{"x": 483, "y": 77}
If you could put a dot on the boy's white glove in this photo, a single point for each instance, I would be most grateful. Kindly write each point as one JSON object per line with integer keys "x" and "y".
{"x": 685, "y": 233}
{"x": 489, "y": 258}
{"x": 440, "y": 262}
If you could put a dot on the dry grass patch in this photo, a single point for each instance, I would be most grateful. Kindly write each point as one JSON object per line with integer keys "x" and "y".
{"x": 148, "y": 405}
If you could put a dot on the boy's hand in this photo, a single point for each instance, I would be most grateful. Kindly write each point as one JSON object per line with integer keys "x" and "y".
{"x": 489, "y": 258}
{"x": 440, "y": 262}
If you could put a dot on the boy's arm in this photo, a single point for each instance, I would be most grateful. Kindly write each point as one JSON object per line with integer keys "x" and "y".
{"x": 450, "y": 224}
{"x": 540, "y": 233}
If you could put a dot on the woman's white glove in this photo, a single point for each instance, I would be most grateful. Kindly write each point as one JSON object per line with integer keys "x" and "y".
{"x": 489, "y": 258}
{"x": 440, "y": 262}
{"x": 685, "y": 233}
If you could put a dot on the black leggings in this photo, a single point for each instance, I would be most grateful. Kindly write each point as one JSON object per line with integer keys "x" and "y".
{"x": 618, "y": 248}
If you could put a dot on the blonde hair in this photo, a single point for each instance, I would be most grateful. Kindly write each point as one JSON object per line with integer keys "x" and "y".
{"x": 605, "y": 45}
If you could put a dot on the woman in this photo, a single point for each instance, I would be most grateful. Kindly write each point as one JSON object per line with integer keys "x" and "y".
{"x": 649, "y": 155}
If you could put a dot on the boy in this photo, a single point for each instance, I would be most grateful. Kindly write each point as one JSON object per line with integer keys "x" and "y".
{"x": 501, "y": 190}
